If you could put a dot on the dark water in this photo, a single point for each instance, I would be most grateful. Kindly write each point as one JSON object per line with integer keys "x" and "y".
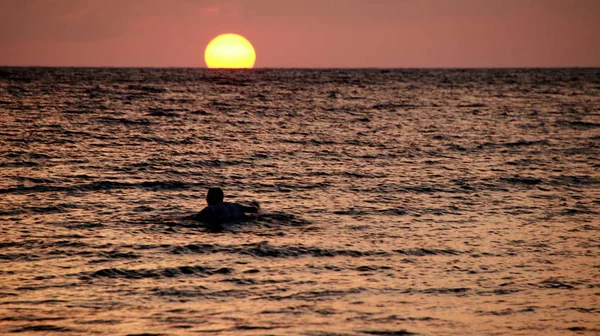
{"x": 434, "y": 202}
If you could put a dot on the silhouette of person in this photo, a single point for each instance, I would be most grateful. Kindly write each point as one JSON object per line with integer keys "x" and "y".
{"x": 218, "y": 212}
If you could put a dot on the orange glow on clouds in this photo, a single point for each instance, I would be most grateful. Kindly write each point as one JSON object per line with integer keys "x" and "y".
{"x": 230, "y": 51}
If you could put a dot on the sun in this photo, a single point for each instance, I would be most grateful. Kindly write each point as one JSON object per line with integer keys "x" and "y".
{"x": 230, "y": 51}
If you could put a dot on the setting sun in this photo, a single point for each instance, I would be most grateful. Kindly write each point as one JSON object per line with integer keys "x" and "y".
{"x": 230, "y": 51}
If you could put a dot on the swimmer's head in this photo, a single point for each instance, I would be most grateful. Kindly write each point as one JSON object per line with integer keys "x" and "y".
{"x": 214, "y": 195}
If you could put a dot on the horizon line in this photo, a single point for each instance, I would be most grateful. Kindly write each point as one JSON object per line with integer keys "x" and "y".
{"x": 301, "y": 68}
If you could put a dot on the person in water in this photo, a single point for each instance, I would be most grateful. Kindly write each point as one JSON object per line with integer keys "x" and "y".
{"x": 218, "y": 212}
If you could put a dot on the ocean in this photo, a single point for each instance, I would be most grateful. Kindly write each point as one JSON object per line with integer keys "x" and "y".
{"x": 394, "y": 202}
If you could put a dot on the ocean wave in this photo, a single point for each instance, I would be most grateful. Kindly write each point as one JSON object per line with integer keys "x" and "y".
{"x": 264, "y": 249}
{"x": 98, "y": 185}
{"x": 167, "y": 272}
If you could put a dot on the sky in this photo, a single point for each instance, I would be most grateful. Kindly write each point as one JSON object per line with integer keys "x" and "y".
{"x": 303, "y": 33}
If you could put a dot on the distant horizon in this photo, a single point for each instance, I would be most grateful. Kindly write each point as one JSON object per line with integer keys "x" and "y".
{"x": 301, "y": 68}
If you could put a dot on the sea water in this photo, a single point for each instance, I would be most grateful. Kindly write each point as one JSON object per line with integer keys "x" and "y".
{"x": 395, "y": 202}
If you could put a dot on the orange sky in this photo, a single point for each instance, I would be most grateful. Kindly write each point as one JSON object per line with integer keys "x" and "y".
{"x": 303, "y": 33}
